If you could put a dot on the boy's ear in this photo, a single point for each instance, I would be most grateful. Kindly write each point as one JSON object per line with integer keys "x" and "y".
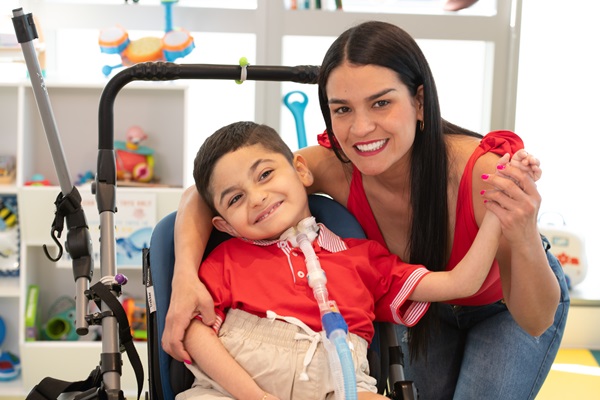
{"x": 223, "y": 226}
{"x": 302, "y": 170}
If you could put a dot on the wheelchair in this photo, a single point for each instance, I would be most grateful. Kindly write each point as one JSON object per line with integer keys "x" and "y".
{"x": 168, "y": 377}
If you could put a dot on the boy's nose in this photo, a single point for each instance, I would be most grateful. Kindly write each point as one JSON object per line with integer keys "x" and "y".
{"x": 258, "y": 197}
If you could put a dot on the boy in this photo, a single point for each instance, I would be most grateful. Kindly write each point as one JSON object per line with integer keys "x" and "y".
{"x": 255, "y": 187}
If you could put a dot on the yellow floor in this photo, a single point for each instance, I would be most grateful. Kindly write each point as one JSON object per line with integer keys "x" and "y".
{"x": 575, "y": 374}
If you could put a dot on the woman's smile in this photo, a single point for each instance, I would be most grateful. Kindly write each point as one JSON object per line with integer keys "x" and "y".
{"x": 371, "y": 147}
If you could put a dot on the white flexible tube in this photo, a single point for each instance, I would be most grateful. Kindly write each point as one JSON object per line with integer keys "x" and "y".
{"x": 334, "y": 325}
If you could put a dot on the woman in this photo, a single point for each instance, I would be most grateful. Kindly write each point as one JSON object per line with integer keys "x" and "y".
{"x": 407, "y": 175}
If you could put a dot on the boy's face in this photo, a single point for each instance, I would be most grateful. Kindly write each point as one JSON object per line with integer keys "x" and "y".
{"x": 258, "y": 194}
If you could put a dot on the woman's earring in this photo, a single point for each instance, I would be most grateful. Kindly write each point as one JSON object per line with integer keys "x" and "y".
{"x": 422, "y": 125}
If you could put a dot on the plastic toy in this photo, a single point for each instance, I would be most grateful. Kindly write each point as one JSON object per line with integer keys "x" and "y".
{"x": 8, "y": 216}
{"x": 32, "y": 332}
{"x": 38, "y": 180}
{"x": 7, "y": 169}
{"x": 136, "y": 314}
{"x": 61, "y": 324}
{"x": 84, "y": 178}
{"x": 297, "y": 108}
{"x": 134, "y": 162}
{"x": 10, "y": 365}
{"x": 176, "y": 43}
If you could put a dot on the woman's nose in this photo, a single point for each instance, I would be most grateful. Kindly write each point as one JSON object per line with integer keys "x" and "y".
{"x": 362, "y": 124}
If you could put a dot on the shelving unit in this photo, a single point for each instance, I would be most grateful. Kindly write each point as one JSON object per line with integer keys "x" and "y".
{"x": 160, "y": 108}
{"x": 167, "y": 113}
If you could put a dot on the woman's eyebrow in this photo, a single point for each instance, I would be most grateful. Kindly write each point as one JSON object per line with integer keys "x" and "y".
{"x": 372, "y": 97}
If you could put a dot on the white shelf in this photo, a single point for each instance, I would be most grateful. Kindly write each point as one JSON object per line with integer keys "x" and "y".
{"x": 9, "y": 287}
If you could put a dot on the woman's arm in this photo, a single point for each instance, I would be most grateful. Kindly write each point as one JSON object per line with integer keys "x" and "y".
{"x": 189, "y": 297}
{"x": 530, "y": 288}
{"x": 466, "y": 278}
{"x": 214, "y": 359}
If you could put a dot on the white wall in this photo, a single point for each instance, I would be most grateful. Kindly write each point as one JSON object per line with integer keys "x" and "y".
{"x": 557, "y": 110}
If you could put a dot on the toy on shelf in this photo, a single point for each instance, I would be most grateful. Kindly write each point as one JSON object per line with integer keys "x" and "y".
{"x": 10, "y": 365}
{"x": 9, "y": 235}
{"x": 7, "y": 169}
{"x": 136, "y": 314}
{"x": 176, "y": 43}
{"x": 61, "y": 322}
{"x": 86, "y": 177}
{"x": 38, "y": 180}
{"x": 134, "y": 162}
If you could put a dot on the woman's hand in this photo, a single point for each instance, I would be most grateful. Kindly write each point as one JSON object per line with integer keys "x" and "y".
{"x": 516, "y": 200}
{"x": 189, "y": 298}
{"x": 530, "y": 288}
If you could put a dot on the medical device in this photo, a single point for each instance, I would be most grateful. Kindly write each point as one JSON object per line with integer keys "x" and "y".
{"x": 334, "y": 325}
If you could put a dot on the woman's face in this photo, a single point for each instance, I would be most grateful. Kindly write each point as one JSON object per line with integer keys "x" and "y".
{"x": 373, "y": 115}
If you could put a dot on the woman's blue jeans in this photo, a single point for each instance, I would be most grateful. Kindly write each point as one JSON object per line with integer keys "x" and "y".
{"x": 481, "y": 353}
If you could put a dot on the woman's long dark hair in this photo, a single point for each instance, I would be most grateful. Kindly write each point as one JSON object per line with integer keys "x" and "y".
{"x": 386, "y": 45}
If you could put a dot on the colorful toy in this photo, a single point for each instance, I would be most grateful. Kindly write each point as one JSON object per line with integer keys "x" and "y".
{"x": 8, "y": 216}
{"x": 7, "y": 169}
{"x": 176, "y": 43}
{"x": 38, "y": 180}
{"x": 136, "y": 314}
{"x": 84, "y": 178}
{"x": 32, "y": 332}
{"x": 134, "y": 162}
{"x": 61, "y": 324}
{"x": 10, "y": 365}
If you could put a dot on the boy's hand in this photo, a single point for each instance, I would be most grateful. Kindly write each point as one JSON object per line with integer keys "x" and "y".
{"x": 522, "y": 160}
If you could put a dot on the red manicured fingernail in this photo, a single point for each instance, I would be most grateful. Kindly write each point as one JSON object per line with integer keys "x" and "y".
{"x": 500, "y": 167}
{"x": 485, "y": 176}
{"x": 482, "y": 192}
{"x": 188, "y": 362}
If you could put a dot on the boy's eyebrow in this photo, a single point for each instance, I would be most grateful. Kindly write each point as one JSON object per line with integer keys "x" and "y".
{"x": 253, "y": 168}
{"x": 372, "y": 97}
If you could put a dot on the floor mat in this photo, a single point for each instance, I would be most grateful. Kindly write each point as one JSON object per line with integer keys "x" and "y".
{"x": 575, "y": 374}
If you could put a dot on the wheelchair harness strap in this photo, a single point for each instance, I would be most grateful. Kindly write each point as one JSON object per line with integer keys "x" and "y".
{"x": 51, "y": 388}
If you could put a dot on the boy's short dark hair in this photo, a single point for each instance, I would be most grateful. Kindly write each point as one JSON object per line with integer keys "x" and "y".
{"x": 228, "y": 139}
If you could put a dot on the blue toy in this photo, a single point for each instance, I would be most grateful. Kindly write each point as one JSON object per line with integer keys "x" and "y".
{"x": 297, "y": 108}
{"x": 10, "y": 365}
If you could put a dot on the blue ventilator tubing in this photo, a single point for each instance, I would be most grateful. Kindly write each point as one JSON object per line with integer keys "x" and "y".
{"x": 336, "y": 329}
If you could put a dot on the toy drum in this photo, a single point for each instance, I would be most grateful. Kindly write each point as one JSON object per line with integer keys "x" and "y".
{"x": 143, "y": 50}
{"x": 177, "y": 43}
{"x": 113, "y": 40}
